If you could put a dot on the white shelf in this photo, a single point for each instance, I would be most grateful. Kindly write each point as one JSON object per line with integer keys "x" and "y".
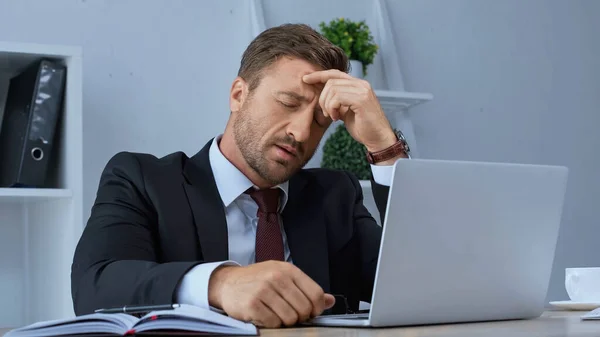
{"x": 14, "y": 56}
{"x": 392, "y": 101}
{"x": 40, "y": 227}
{"x": 8, "y": 194}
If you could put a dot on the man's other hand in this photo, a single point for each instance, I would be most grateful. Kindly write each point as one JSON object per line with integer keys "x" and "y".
{"x": 268, "y": 294}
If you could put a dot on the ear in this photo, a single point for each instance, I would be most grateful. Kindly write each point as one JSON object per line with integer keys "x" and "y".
{"x": 238, "y": 93}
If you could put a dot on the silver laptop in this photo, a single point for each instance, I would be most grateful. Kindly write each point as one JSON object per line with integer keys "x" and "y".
{"x": 464, "y": 242}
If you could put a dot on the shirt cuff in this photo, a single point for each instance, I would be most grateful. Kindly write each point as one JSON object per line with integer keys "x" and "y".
{"x": 382, "y": 174}
{"x": 193, "y": 289}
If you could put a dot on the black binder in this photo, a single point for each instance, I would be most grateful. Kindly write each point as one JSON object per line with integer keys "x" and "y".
{"x": 33, "y": 106}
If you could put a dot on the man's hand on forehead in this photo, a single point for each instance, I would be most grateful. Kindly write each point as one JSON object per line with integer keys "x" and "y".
{"x": 336, "y": 87}
{"x": 322, "y": 76}
{"x": 353, "y": 101}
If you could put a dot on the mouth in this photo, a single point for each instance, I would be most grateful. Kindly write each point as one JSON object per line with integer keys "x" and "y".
{"x": 287, "y": 152}
{"x": 289, "y": 149}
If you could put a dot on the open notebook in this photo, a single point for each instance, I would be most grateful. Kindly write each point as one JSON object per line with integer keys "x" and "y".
{"x": 186, "y": 319}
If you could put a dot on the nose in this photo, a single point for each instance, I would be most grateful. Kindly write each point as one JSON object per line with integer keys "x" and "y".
{"x": 299, "y": 126}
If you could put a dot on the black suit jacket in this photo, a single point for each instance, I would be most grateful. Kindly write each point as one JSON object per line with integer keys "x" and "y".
{"x": 155, "y": 219}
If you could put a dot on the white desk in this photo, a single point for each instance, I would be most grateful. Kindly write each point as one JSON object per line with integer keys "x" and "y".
{"x": 550, "y": 324}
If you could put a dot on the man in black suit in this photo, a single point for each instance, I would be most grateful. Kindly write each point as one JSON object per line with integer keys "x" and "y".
{"x": 240, "y": 226}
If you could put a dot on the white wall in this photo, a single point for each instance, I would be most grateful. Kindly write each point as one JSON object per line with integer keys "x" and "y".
{"x": 513, "y": 81}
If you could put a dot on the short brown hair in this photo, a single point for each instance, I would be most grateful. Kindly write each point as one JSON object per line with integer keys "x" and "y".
{"x": 294, "y": 40}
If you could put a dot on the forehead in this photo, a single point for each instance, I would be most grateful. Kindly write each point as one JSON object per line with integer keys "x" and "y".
{"x": 289, "y": 71}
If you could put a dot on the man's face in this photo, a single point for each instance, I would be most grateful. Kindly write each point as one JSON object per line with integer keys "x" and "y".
{"x": 280, "y": 124}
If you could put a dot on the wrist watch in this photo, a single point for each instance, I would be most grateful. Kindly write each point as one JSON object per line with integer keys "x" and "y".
{"x": 399, "y": 148}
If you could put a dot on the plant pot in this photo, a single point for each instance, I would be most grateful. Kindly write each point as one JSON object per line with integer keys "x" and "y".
{"x": 356, "y": 69}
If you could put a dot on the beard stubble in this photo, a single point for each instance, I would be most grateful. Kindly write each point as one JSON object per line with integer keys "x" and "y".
{"x": 247, "y": 133}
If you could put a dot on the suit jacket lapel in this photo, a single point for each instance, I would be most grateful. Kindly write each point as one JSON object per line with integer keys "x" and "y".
{"x": 305, "y": 230}
{"x": 207, "y": 207}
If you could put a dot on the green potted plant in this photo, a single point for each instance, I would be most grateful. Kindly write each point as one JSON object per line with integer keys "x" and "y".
{"x": 342, "y": 152}
{"x": 355, "y": 39}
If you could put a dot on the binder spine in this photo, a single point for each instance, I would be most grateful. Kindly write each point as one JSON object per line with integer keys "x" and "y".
{"x": 45, "y": 110}
{"x": 33, "y": 107}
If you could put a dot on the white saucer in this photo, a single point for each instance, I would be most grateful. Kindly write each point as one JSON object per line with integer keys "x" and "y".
{"x": 572, "y": 305}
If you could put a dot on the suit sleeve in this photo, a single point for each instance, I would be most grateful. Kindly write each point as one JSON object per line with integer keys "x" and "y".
{"x": 116, "y": 259}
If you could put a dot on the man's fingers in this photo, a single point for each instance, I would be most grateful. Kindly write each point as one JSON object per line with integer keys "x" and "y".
{"x": 325, "y": 102}
{"x": 338, "y": 104}
{"x": 332, "y": 105}
{"x": 283, "y": 282}
{"x": 343, "y": 82}
{"x": 332, "y": 87}
{"x": 272, "y": 299}
{"x": 324, "y": 75}
{"x": 323, "y": 97}
{"x": 311, "y": 290}
{"x": 287, "y": 289}
{"x": 262, "y": 315}
{"x": 329, "y": 301}
{"x": 338, "y": 97}
{"x": 296, "y": 298}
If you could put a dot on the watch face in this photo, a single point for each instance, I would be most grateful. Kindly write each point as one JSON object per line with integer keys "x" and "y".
{"x": 400, "y": 135}
{"x": 403, "y": 139}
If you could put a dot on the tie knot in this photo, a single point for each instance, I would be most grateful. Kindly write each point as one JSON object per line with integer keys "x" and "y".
{"x": 267, "y": 199}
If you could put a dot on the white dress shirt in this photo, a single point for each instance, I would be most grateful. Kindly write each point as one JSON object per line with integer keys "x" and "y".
{"x": 240, "y": 212}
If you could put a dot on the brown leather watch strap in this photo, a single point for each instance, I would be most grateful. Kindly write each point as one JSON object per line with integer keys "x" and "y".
{"x": 399, "y": 148}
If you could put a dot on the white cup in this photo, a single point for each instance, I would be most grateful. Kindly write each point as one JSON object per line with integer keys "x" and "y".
{"x": 583, "y": 284}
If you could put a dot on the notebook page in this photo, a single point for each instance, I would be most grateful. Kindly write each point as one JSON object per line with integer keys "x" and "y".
{"x": 193, "y": 326}
{"x": 93, "y": 327}
{"x": 197, "y": 315}
{"x": 116, "y": 323}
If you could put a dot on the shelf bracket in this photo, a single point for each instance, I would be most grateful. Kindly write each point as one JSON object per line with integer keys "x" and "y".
{"x": 391, "y": 63}
{"x": 257, "y": 18}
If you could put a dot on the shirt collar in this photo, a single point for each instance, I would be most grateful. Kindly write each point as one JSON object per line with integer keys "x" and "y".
{"x": 230, "y": 181}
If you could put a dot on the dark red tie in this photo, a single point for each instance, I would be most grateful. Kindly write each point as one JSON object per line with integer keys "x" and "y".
{"x": 269, "y": 241}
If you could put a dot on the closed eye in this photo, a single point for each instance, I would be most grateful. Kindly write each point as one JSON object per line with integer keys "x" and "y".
{"x": 290, "y": 106}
